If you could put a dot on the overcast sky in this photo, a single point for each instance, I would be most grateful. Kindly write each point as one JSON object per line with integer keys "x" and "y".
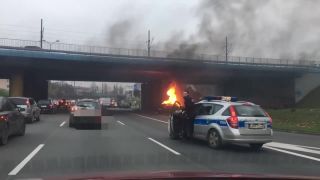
{"x": 79, "y": 21}
{"x": 260, "y": 28}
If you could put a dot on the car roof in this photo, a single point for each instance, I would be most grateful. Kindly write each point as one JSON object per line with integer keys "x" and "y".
{"x": 221, "y": 102}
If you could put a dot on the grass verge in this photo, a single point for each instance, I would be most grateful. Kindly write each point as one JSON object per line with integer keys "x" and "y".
{"x": 303, "y": 120}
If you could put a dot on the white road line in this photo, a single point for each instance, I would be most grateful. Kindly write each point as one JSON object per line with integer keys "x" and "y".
{"x": 292, "y": 153}
{"x": 164, "y": 146}
{"x": 309, "y": 147}
{"x": 26, "y": 160}
{"x": 152, "y": 118}
{"x": 62, "y": 123}
{"x": 292, "y": 147}
{"x": 121, "y": 123}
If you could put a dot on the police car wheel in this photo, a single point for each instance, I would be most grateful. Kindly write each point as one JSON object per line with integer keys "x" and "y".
{"x": 256, "y": 147}
{"x": 214, "y": 139}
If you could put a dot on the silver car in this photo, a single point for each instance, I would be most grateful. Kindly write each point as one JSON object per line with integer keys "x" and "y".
{"x": 31, "y": 111}
{"x": 85, "y": 114}
{"x": 219, "y": 122}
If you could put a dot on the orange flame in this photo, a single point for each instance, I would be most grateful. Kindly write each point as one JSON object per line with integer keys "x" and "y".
{"x": 172, "y": 95}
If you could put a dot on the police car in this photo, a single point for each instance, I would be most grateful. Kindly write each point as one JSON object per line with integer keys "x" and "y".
{"x": 220, "y": 120}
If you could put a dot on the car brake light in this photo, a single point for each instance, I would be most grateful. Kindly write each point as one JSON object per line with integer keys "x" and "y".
{"x": 4, "y": 118}
{"x": 233, "y": 120}
{"x": 270, "y": 119}
{"x": 74, "y": 108}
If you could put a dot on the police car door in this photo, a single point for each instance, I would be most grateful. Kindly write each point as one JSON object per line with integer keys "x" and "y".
{"x": 202, "y": 118}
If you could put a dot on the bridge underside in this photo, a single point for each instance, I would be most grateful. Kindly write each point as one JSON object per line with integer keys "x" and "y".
{"x": 29, "y": 77}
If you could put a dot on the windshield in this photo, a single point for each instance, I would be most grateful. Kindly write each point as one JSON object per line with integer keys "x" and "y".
{"x": 159, "y": 87}
{"x": 250, "y": 111}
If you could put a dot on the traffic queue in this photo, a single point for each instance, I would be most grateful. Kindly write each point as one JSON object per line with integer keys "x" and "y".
{"x": 15, "y": 112}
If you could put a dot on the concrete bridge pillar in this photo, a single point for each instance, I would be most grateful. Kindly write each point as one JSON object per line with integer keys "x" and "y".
{"x": 28, "y": 85}
{"x": 35, "y": 86}
{"x": 16, "y": 85}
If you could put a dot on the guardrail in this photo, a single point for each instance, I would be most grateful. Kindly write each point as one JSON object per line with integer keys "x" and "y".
{"x": 56, "y": 46}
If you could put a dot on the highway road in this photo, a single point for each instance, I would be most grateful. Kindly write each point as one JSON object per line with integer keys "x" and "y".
{"x": 131, "y": 142}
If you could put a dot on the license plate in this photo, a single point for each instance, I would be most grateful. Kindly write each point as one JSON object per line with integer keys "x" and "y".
{"x": 256, "y": 126}
{"x": 44, "y": 106}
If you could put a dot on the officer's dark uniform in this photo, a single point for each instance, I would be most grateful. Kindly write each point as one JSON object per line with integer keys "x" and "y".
{"x": 189, "y": 109}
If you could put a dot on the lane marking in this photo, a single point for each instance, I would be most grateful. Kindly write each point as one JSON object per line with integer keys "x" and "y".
{"x": 309, "y": 147}
{"x": 292, "y": 153}
{"x": 16, "y": 170}
{"x": 152, "y": 118}
{"x": 121, "y": 123}
{"x": 292, "y": 147}
{"x": 164, "y": 146}
{"x": 62, "y": 123}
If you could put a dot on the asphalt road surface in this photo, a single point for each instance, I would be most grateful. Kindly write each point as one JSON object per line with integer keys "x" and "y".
{"x": 139, "y": 143}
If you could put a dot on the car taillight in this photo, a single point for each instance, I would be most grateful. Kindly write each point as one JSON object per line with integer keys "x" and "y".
{"x": 4, "y": 118}
{"x": 233, "y": 120}
{"x": 98, "y": 119}
{"x": 270, "y": 119}
{"x": 27, "y": 102}
{"x": 74, "y": 108}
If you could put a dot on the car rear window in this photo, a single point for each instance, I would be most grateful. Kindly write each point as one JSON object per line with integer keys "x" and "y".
{"x": 19, "y": 101}
{"x": 249, "y": 111}
{"x": 88, "y": 104}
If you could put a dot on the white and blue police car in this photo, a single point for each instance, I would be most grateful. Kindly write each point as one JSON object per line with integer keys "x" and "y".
{"x": 220, "y": 120}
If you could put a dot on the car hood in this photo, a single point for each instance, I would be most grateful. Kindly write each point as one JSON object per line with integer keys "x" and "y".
{"x": 177, "y": 175}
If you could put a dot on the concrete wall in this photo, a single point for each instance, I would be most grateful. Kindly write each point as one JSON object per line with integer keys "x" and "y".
{"x": 305, "y": 84}
{"x": 268, "y": 92}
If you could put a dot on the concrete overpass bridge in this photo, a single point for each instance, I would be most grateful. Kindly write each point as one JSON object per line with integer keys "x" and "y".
{"x": 270, "y": 82}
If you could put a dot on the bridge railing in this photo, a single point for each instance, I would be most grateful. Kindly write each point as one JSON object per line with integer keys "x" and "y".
{"x": 99, "y": 50}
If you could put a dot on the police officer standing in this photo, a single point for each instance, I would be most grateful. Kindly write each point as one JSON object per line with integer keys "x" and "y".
{"x": 189, "y": 109}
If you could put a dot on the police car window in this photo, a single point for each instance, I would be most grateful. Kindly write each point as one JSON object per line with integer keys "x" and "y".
{"x": 226, "y": 112}
{"x": 249, "y": 111}
{"x": 205, "y": 109}
{"x": 216, "y": 108}
{"x": 197, "y": 109}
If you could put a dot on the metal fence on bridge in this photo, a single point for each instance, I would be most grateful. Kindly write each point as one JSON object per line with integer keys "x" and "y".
{"x": 99, "y": 50}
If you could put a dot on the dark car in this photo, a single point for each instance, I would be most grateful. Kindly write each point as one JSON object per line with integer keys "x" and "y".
{"x": 108, "y": 106}
{"x": 11, "y": 120}
{"x": 86, "y": 114}
{"x": 47, "y": 106}
{"x": 31, "y": 111}
{"x": 63, "y": 105}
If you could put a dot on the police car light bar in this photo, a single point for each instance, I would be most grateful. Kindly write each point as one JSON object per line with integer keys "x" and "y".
{"x": 221, "y": 98}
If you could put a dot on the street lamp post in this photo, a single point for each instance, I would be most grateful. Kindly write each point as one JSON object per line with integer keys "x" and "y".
{"x": 50, "y": 43}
